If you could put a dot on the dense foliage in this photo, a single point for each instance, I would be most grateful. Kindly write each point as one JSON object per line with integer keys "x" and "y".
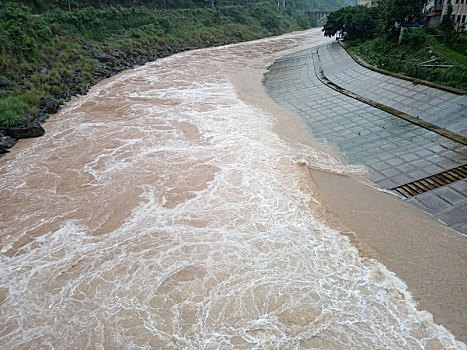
{"x": 361, "y": 22}
{"x": 303, "y": 5}
{"x": 59, "y": 48}
{"x": 358, "y": 22}
{"x": 393, "y": 13}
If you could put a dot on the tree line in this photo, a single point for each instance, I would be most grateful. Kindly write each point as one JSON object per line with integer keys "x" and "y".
{"x": 362, "y": 22}
{"x": 302, "y": 5}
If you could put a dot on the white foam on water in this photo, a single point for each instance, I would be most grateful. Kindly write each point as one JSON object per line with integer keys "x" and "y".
{"x": 218, "y": 248}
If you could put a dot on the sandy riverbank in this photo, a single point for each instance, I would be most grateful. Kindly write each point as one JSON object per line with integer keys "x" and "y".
{"x": 429, "y": 257}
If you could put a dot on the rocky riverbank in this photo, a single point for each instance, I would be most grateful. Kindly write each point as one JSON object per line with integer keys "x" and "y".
{"x": 106, "y": 65}
{"x": 49, "y": 54}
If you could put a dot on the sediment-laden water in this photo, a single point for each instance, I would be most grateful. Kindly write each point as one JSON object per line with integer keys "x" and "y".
{"x": 162, "y": 211}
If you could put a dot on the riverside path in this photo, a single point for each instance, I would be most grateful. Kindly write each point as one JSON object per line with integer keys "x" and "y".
{"x": 337, "y": 97}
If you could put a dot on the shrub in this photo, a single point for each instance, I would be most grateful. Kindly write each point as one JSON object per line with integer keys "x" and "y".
{"x": 416, "y": 38}
{"x": 458, "y": 43}
{"x": 11, "y": 112}
{"x": 22, "y": 32}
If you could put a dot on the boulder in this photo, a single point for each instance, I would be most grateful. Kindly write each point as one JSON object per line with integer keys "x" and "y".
{"x": 103, "y": 72}
{"x": 32, "y": 129}
{"x": 4, "y": 84}
{"x": 103, "y": 57}
{"x": 49, "y": 105}
{"x": 6, "y": 142}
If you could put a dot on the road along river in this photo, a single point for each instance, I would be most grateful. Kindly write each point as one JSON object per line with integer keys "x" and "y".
{"x": 172, "y": 208}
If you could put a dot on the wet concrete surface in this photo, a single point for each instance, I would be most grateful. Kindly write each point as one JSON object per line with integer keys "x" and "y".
{"x": 395, "y": 151}
{"x": 441, "y": 108}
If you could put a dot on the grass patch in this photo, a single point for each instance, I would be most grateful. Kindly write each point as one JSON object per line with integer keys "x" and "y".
{"x": 12, "y": 111}
{"x": 408, "y": 58}
{"x": 449, "y": 54}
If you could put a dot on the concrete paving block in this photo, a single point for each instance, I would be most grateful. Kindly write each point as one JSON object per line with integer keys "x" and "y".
{"x": 408, "y": 157}
{"x": 401, "y": 179}
{"x": 387, "y": 183}
{"x": 379, "y": 166}
{"x": 395, "y": 161}
{"x": 433, "y": 203}
{"x": 376, "y": 176}
{"x": 390, "y": 172}
{"x": 449, "y": 194}
{"x": 462, "y": 228}
{"x": 460, "y": 186}
{"x": 425, "y": 154}
{"x": 406, "y": 167}
{"x": 449, "y": 164}
{"x": 454, "y": 216}
{"x": 416, "y": 174}
{"x": 416, "y": 203}
{"x": 434, "y": 169}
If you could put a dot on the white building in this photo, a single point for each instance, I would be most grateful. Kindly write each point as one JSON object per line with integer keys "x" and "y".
{"x": 459, "y": 12}
{"x": 367, "y": 3}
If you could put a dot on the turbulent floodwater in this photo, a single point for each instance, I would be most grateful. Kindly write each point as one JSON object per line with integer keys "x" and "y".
{"x": 161, "y": 211}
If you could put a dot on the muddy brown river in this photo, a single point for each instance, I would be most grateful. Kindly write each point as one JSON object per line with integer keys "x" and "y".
{"x": 167, "y": 209}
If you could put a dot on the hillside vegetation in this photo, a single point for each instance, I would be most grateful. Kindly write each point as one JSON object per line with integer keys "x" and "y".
{"x": 437, "y": 55}
{"x": 420, "y": 56}
{"x": 51, "y": 50}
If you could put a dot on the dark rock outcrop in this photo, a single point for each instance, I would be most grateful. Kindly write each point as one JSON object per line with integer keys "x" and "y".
{"x": 4, "y": 84}
{"x": 6, "y": 142}
{"x": 49, "y": 106}
{"x": 103, "y": 57}
{"x": 30, "y": 129}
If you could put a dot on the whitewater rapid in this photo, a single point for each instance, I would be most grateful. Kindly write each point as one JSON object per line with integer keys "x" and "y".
{"x": 161, "y": 211}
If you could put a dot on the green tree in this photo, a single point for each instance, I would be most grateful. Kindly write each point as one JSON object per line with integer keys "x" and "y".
{"x": 21, "y": 31}
{"x": 397, "y": 12}
{"x": 269, "y": 16}
{"x": 357, "y": 22}
{"x": 447, "y": 24}
{"x": 302, "y": 20}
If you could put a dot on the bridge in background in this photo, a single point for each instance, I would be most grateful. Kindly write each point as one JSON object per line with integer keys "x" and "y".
{"x": 320, "y": 16}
